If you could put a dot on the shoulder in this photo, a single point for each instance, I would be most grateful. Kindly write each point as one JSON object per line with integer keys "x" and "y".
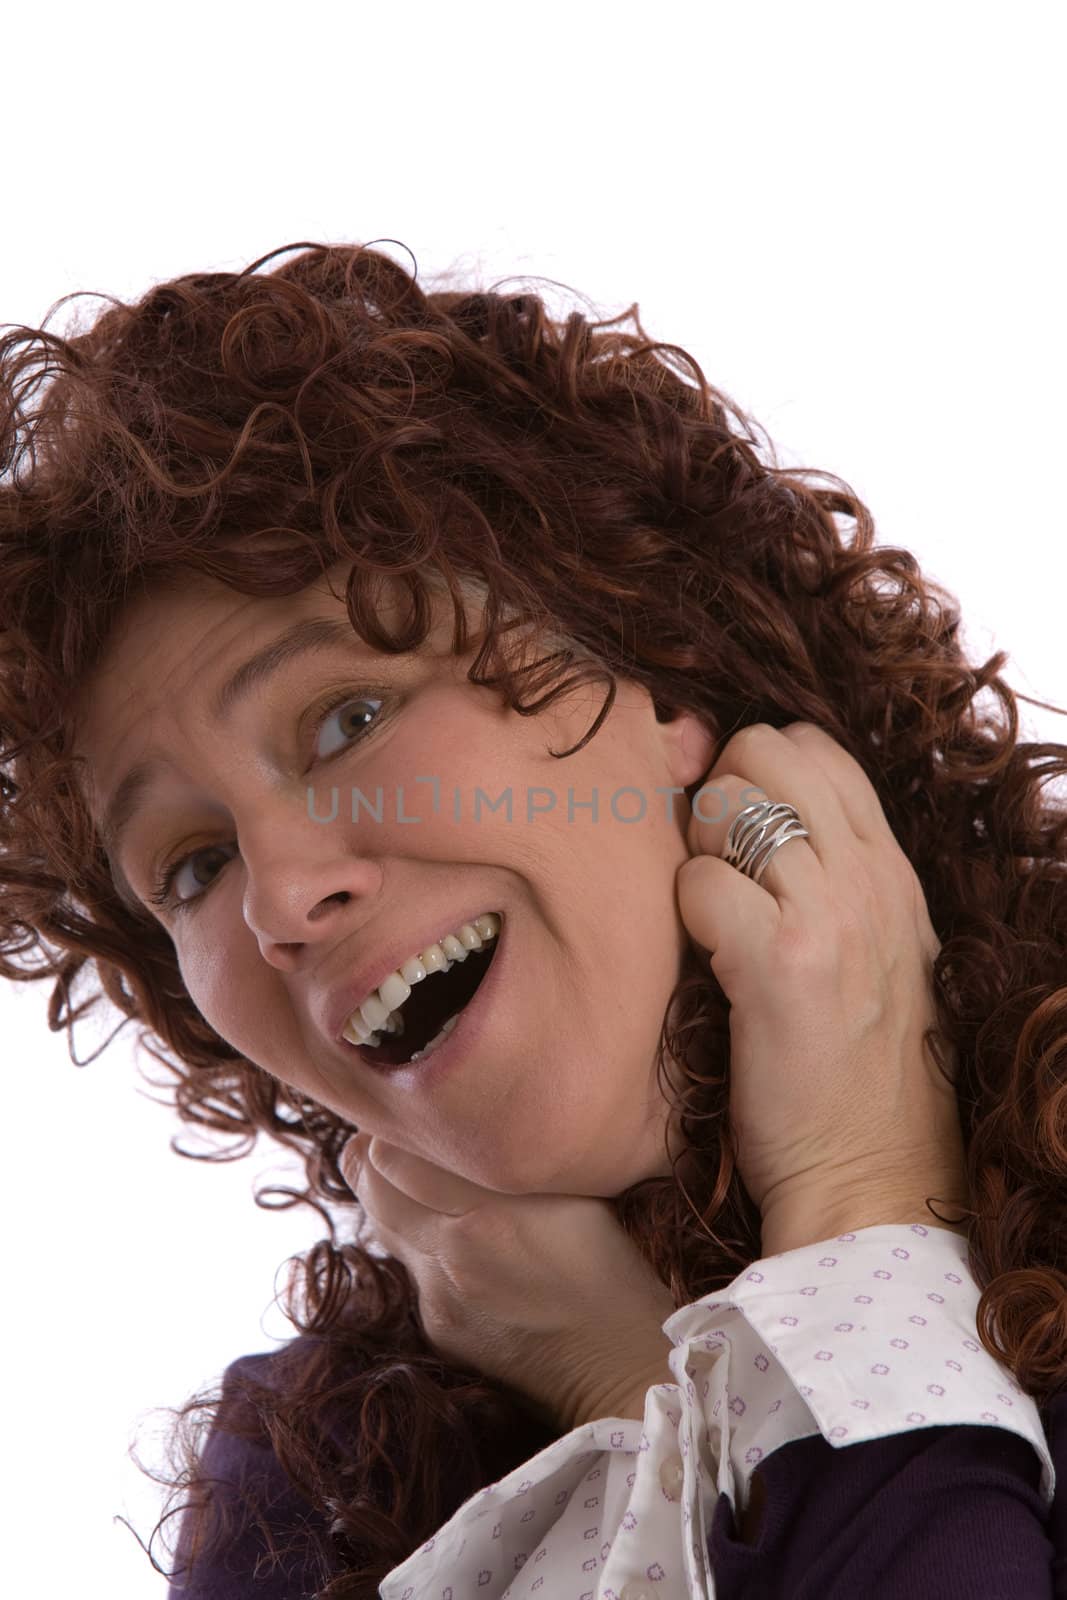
{"x": 253, "y": 1521}
{"x": 255, "y": 1389}
{"x": 1053, "y": 1414}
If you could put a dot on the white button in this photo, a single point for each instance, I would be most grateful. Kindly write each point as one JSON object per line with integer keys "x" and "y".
{"x": 672, "y": 1477}
{"x": 637, "y": 1591}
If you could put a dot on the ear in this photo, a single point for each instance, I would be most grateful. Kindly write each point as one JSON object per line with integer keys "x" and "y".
{"x": 688, "y": 745}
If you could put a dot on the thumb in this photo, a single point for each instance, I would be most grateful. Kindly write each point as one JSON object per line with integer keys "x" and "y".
{"x": 350, "y": 1160}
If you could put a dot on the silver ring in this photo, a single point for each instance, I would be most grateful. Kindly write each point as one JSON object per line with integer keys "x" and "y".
{"x": 748, "y": 839}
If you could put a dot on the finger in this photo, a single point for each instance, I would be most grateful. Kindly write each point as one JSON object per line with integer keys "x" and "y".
{"x": 723, "y": 804}
{"x": 855, "y": 791}
{"x": 423, "y": 1183}
{"x": 888, "y": 862}
{"x": 731, "y": 917}
{"x": 760, "y": 762}
{"x": 402, "y": 1224}
{"x": 714, "y": 898}
{"x": 351, "y": 1158}
{"x": 778, "y": 765}
{"x": 799, "y": 878}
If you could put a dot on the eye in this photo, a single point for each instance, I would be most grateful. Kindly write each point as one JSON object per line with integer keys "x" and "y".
{"x": 350, "y": 721}
{"x": 162, "y": 892}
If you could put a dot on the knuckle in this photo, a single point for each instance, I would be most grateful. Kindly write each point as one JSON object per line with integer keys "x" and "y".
{"x": 818, "y": 942}
{"x": 802, "y": 948}
{"x": 483, "y": 1234}
{"x": 752, "y": 736}
{"x": 754, "y": 733}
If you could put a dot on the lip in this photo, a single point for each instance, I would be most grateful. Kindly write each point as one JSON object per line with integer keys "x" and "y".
{"x": 464, "y": 1036}
{"x": 342, "y": 1001}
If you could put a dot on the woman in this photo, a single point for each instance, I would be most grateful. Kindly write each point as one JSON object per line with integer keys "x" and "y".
{"x": 297, "y": 566}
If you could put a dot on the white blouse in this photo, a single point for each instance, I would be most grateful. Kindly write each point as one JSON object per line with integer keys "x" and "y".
{"x": 859, "y": 1337}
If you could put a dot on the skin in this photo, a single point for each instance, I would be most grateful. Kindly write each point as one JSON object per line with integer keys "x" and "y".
{"x": 560, "y": 1094}
{"x": 568, "y": 1053}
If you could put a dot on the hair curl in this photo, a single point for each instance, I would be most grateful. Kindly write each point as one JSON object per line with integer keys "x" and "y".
{"x": 258, "y": 427}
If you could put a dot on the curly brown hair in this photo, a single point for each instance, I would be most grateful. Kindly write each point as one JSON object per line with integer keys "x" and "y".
{"x": 601, "y": 489}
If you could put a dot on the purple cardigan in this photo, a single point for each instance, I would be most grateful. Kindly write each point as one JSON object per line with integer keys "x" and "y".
{"x": 946, "y": 1512}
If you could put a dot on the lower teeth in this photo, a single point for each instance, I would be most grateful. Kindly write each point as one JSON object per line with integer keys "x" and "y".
{"x": 438, "y": 1039}
{"x": 420, "y": 1055}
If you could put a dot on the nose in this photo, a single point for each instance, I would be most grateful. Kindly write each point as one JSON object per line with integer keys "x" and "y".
{"x": 295, "y": 900}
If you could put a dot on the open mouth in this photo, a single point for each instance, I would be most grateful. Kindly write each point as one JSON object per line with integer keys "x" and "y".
{"x": 437, "y": 1000}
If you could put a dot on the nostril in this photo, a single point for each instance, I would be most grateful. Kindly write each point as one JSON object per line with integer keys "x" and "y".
{"x": 342, "y": 895}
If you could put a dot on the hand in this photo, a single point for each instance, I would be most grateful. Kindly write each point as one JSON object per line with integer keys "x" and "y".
{"x": 839, "y": 1109}
{"x": 544, "y": 1293}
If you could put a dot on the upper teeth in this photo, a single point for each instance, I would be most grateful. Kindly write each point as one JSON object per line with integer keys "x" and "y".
{"x": 379, "y": 1007}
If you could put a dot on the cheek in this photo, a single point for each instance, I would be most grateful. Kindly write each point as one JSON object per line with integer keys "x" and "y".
{"x": 209, "y": 998}
{"x": 228, "y": 994}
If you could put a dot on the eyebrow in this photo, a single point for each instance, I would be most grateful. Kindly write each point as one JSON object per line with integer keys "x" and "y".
{"x": 313, "y": 635}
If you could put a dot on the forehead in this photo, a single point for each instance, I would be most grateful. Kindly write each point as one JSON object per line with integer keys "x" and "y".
{"x": 194, "y": 638}
{"x": 177, "y": 612}
{"x": 204, "y": 637}
{"x": 196, "y": 628}
{"x": 188, "y": 640}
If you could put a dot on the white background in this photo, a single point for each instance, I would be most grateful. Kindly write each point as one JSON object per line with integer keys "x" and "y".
{"x": 849, "y": 214}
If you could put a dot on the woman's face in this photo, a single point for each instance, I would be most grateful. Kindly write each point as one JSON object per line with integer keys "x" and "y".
{"x": 290, "y": 899}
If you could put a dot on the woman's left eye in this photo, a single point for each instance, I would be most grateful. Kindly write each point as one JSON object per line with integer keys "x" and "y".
{"x": 162, "y": 893}
{"x": 343, "y": 705}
